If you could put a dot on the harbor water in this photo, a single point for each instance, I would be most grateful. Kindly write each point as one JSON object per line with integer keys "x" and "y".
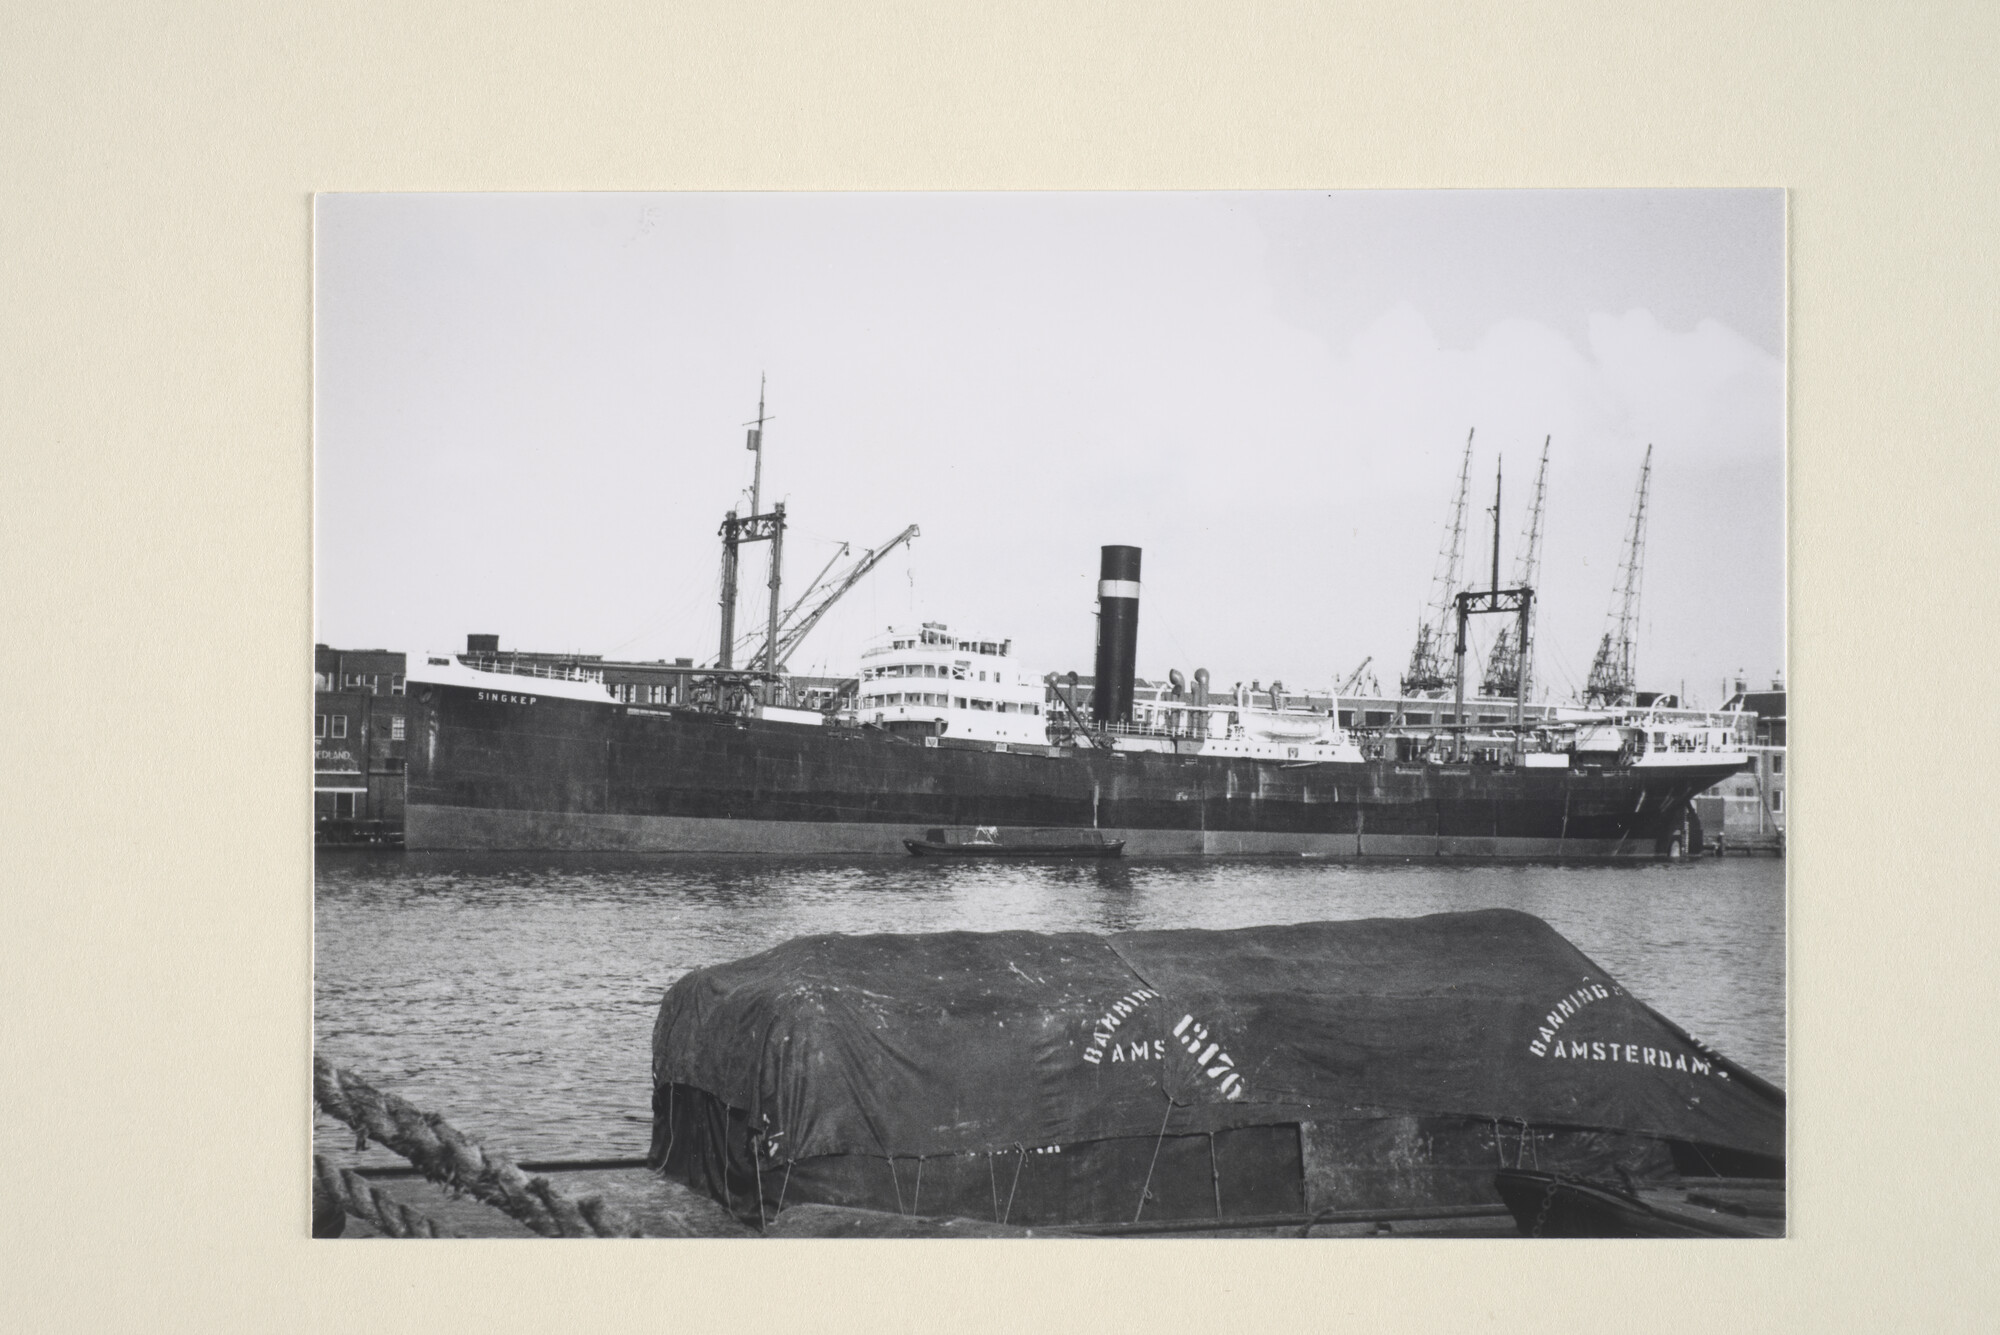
{"x": 515, "y": 993}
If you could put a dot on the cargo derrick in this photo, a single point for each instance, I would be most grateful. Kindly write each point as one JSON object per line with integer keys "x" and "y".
{"x": 1612, "y": 674}
{"x": 1426, "y": 674}
{"x": 1503, "y": 666}
{"x": 782, "y": 633}
{"x": 820, "y": 596}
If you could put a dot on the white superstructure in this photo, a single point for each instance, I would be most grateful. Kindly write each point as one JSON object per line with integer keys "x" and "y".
{"x": 931, "y": 681}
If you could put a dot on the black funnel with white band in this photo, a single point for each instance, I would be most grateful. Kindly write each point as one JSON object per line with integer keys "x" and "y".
{"x": 1117, "y": 634}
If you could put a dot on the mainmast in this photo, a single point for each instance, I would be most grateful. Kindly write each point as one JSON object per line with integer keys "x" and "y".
{"x": 1611, "y": 672}
{"x": 1495, "y": 512}
{"x": 755, "y": 445}
{"x": 756, "y": 527}
{"x": 1503, "y": 667}
{"x": 1427, "y": 670}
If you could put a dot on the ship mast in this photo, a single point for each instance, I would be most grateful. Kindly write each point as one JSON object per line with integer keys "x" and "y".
{"x": 1426, "y": 671}
{"x": 756, "y": 527}
{"x": 1503, "y": 668}
{"x": 1498, "y": 464}
{"x": 1611, "y": 672}
{"x": 755, "y": 445}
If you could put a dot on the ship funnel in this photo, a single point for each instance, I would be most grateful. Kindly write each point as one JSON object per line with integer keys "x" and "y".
{"x": 1177, "y": 681}
{"x": 1201, "y": 686}
{"x": 1117, "y": 634}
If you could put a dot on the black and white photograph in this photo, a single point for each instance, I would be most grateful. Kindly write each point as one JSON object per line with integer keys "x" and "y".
{"x": 1029, "y": 714}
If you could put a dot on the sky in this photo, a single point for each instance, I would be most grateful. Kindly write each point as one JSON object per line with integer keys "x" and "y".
{"x": 530, "y": 413}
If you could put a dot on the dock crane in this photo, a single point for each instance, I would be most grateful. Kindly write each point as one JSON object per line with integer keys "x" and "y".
{"x": 1354, "y": 678}
{"x": 1503, "y": 666}
{"x": 1427, "y": 666}
{"x": 1611, "y": 672}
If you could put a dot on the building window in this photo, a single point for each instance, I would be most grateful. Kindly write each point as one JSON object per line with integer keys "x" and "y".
{"x": 959, "y": 702}
{"x": 343, "y": 806}
{"x": 1777, "y": 764}
{"x": 339, "y": 728}
{"x": 1777, "y": 799}
{"x": 319, "y": 726}
{"x": 396, "y": 684}
{"x": 396, "y": 728}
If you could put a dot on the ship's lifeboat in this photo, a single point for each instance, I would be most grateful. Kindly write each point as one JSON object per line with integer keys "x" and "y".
{"x": 1285, "y": 727}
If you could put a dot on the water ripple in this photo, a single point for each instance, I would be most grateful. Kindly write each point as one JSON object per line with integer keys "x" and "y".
{"x": 515, "y": 993}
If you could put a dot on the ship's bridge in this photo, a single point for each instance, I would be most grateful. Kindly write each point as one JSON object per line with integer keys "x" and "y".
{"x": 930, "y": 682}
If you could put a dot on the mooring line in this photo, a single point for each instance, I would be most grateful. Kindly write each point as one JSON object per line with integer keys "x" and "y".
{"x": 381, "y": 1211}
{"x": 445, "y": 1156}
{"x": 1017, "y": 1181}
{"x": 1157, "y": 1140}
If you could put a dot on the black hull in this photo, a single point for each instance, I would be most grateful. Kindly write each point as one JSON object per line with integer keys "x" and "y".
{"x": 521, "y": 771}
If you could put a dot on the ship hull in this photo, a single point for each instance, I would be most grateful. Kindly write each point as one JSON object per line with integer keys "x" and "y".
{"x": 513, "y": 770}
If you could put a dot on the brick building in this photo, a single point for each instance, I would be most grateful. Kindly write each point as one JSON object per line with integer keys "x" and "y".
{"x": 1747, "y": 810}
{"x": 358, "y": 745}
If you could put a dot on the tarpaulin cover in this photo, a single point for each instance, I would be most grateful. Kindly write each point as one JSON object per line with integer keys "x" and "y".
{"x": 961, "y": 1042}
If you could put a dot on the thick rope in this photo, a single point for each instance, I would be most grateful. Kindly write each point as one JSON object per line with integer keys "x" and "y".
{"x": 383, "y": 1212}
{"x": 443, "y": 1155}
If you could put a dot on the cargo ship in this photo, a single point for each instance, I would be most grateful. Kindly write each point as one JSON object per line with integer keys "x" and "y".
{"x": 942, "y": 730}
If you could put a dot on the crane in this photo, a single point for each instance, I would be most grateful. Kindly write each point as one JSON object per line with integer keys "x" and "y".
{"x": 1354, "y": 678}
{"x": 1503, "y": 667}
{"x": 799, "y": 621}
{"x": 1611, "y": 672}
{"x": 745, "y": 641}
{"x": 1427, "y": 667}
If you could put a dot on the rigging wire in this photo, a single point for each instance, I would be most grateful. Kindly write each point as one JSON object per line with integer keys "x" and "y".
{"x": 1155, "y": 605}
{"x": 691, "y": 596}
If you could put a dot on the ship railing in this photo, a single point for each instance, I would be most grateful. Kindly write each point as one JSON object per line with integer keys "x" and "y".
{"x": 1183, "y": 733}
{"x": 530, "y": 668}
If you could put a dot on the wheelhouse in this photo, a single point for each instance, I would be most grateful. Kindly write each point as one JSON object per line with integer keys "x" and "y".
{"x": 929, "y": 682}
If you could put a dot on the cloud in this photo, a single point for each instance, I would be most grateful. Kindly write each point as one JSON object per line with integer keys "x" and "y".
{"x": 1679, "y": 387}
